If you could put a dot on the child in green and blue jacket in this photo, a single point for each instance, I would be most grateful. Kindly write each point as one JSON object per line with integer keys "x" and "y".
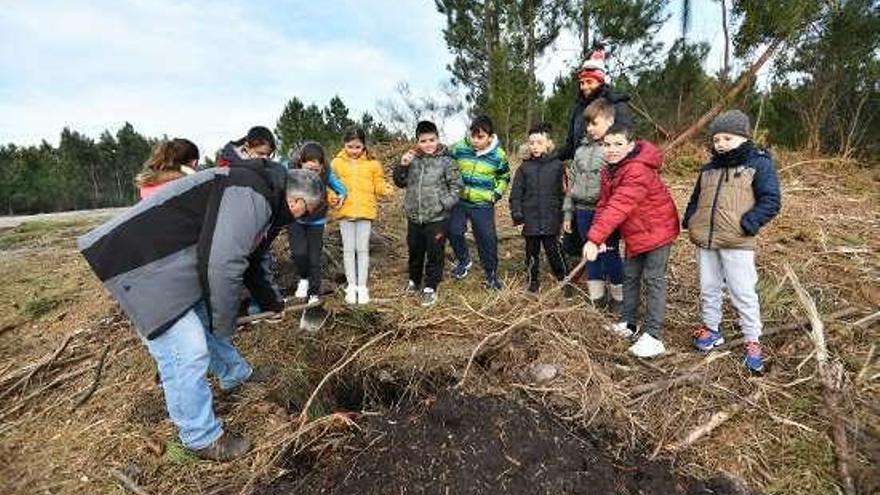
{"x": 485, "y": 172}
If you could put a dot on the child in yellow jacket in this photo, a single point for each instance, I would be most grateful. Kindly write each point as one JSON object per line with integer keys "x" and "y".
{"x": 365, "y": 181}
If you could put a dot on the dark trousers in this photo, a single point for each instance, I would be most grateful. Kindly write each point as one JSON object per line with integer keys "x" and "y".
{"x": 307, "y": 249}
{"x": 482, "y": 220}
{"x": 650, "y": 267}
{"x": 426, "y": 243}
{"x": 554, "y": 256}
{"x": 608, "y": 264}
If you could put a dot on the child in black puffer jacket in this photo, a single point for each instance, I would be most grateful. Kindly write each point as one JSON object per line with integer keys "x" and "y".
{"x": 536, "y": 204}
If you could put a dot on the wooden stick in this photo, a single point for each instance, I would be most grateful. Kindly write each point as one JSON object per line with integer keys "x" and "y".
{"x": 94, "y": 386}
{"x": 47, "y": 361}
{"x": 127, "y": 482}
{"x": 717, "y": 419}
{"x": 843, "y": 313}
{"x": 244, "y": 320}
{"x": 868, "y": 320}
{"x": 828, "y": 375}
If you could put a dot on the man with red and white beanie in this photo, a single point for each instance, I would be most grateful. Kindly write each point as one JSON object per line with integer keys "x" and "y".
{"x": 593, "y": 84}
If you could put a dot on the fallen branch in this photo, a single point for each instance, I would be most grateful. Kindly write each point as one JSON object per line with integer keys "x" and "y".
{"x": 830, "y": 375}
{"x": 868, "y": 320}
{"x": 693, "y": 375}
{"x": 127, "y": 482}
{"x": 44, "y": 363}
{"x": 94, "y": 386}
{"x": 843, "y": 313}
{"x": 717, "y": 419}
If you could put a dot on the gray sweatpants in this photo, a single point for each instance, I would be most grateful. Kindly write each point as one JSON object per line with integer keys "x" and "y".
{"x": 734, "y": 269}
{"x": 650, "y": 267}
{"x": 355, "y": 250}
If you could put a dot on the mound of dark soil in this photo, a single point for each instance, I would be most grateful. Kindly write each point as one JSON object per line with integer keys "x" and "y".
{"x": 483, "y": 445}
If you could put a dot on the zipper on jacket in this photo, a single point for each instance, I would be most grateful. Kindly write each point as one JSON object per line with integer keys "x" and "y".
{"x": 712, "y": 213}
{"x": 419, "y": 194}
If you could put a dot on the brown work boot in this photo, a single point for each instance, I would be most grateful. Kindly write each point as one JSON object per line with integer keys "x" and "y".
{"x": 226, "y": 448}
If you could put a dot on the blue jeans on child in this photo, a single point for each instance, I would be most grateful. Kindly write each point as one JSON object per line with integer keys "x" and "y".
{"x": 185, "y": 354}
{"x": 483, "y": 223}
{"x": 608, "y": 265}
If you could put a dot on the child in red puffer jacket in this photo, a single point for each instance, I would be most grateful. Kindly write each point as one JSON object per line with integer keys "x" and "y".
{"x": 635, "y": 200}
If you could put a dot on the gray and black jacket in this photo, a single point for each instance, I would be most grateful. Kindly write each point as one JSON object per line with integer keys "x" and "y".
{"x": 202, "y": 237}
{"x": 585, "y": 175}
{"x": 433, "y": 184}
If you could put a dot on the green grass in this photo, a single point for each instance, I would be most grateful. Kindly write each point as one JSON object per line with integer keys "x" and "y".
{"x": 176, "y": 453}
{"x": 40, "y": 305}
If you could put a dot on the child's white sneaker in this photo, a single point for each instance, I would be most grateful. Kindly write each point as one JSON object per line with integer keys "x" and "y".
{"x": 363, "y": 295}
{"x": 351, "y": 294}
{"x": 302, "y": 289}
{"x": 621, "y": 329}
{"x": 647, "y": 347}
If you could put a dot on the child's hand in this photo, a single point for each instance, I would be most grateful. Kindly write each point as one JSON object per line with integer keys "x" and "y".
{"x": 566, "y": 226}
{"x": 336, "y": 201}
{"x": 591, "y": 251}
{"x": 407, "y": 158}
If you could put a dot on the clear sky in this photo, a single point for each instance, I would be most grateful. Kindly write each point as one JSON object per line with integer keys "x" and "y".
{"x": 209, "y": 69}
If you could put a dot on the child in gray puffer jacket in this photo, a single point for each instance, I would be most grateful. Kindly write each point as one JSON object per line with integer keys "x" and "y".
{"x": 433, "y": 184}
{"x": 580, "y": 204}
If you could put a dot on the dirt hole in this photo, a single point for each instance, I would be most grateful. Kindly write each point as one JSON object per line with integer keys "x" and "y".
{"x": 420, "y": 436}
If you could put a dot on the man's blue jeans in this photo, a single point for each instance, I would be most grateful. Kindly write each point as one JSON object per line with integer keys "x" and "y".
{"x": 185, "y": 353}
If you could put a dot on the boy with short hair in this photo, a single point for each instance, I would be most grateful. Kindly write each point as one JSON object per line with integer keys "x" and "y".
{"x": 736, "y": 193}
{"x": 433, "y": 184}
{"x": 579, "y": 207}
{"x": 636, "y": 201}
{"x": 485, "y": 173}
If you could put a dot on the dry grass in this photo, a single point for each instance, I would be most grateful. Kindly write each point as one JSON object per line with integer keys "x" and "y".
{"x": 828, "y": 231}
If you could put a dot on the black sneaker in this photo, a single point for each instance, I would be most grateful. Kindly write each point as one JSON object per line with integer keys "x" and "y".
{"x": 492, "y": 282}
{"x": 567, "y": 291}
{"x": 226, "y": 448}
{"x": 533, "y": 287}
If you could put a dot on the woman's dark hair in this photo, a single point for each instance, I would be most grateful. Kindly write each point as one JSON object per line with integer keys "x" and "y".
{"x": 482, "y": 123}
{"x": 257, "y": 136}
{"x": 170, "y": 155}
{"x": 541, "y": 128}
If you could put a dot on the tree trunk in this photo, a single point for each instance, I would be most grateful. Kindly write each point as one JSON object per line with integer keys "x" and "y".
{"x": 585, "y": 29}
{"x": 740, "y": 85}
{"x": 725, "y": 70}
{"x": 530, "y": 50}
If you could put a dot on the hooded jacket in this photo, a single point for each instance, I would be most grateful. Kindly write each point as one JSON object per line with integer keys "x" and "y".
{"x": 364, "y": 180}
{"x": 433, "y": 185}
{"x": 736, "y": 194}
{"x": 635, "y": 200}
{"x": 485, "y": 173}
{"x": 577, "y": 126}
{"x": 201, "y": 237}
{"x": 537, "y": 194}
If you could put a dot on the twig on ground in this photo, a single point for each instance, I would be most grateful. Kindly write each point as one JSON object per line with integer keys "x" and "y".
{"x": 717, "y": 419}
{"x": 830, "y": 376}
{"x": 94, "y": 386}
{"x": 692, "y": 375}
{"x": 44, "y": 363}
{"x": 868, "y": 320}
{"x": 843, "y": 313}
{"x": 127, "y": 482}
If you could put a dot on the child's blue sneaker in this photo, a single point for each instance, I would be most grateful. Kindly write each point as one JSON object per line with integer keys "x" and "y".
{"x": 705, "y": 339}
{"x": 754, "y": 360}
{"x": 460, "y": 270}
